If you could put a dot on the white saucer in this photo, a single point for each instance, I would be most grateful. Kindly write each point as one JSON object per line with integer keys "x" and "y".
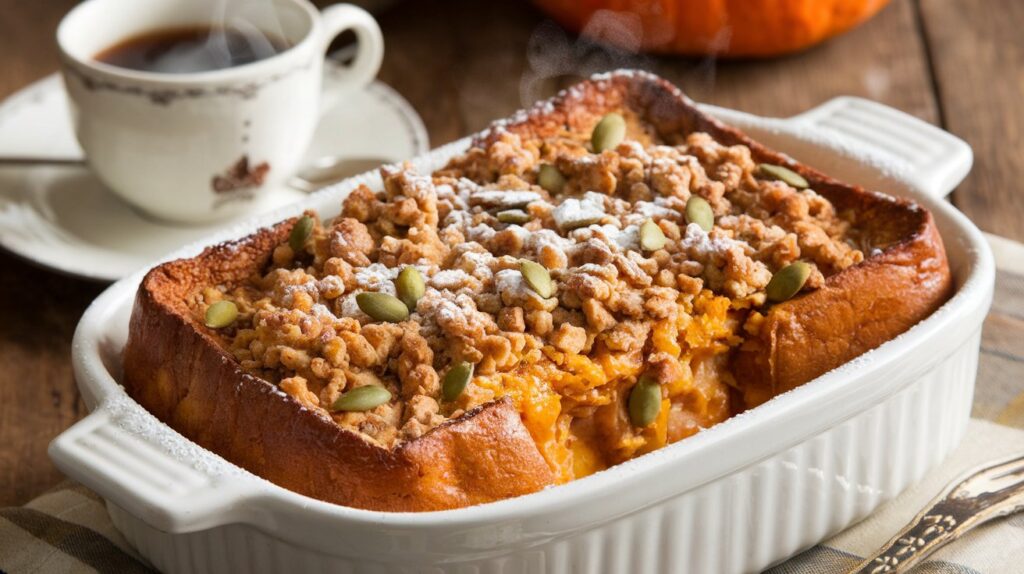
{"x": 61, "y": 217}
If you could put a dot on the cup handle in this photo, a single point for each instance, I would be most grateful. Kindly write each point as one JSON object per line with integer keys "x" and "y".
{"x": 363, "y": 69}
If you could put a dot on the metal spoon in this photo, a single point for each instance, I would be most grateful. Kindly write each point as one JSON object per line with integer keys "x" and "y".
{"x": 332, "y": 169}
{"x": 317, "y": 175}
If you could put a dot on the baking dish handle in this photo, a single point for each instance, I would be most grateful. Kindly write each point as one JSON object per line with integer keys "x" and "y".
{"x": 144, "y": 479}
{"x": 926, "y": 158}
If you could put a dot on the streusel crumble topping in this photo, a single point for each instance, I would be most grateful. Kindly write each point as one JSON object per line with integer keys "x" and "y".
{"x": 618, "y": 313}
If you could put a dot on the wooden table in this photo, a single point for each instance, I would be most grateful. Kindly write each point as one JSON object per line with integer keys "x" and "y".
{"x": 956, "y": 63}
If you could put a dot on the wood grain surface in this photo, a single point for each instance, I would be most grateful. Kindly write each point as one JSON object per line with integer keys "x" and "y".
{"x": 977, "y": 53}
{"x": 38, "y": 308}
{"x": 957, "y": 63}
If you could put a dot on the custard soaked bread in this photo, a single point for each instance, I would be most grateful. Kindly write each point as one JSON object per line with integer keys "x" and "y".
{"x": 607, "y": 273}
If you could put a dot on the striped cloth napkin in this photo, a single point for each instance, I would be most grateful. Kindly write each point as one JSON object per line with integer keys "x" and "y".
{"x": 68, "y": 529}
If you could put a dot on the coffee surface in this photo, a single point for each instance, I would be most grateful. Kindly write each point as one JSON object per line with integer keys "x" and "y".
{"x": 193, "y": 49}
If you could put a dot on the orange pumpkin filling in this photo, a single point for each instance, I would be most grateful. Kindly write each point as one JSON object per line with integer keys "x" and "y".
{"x": 647, "y": 264}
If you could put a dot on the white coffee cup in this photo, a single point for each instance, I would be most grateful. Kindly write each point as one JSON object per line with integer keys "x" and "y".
{"x": 205, "y": 146}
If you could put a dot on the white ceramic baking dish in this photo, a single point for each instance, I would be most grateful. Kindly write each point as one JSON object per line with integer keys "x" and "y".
{"x": 735, "y": 498}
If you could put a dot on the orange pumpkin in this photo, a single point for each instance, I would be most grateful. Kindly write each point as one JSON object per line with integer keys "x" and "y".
{"x": 719, "y": 27}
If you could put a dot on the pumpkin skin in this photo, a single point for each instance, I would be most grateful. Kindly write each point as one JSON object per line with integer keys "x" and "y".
{"x": 736, "y": 28}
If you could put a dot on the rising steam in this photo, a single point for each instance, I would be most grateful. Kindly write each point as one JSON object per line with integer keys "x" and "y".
{"x": 552, "y": 54}
{"x": 610, "y": 40}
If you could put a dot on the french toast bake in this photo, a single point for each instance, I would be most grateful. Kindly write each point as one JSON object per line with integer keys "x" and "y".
{"x": 604, "y": 274}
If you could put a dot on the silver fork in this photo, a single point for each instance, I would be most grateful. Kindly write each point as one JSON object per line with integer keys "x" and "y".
{"x": 978, "y": 496}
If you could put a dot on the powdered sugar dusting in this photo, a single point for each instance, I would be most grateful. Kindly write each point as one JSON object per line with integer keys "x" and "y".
{"x": 481, "y": 233}
{"x": 136, "y": 421}
{"x": 702, "y": 245}
{"x": 349, "y": 306}
{"x": 627, "y": 239}
{"x": 309, "y": 287}
{"x": 654, "y": 209}
{"x": 450, "y": 279}
{"x": 548, "y": 238}
{"x": 574, "y": 212}
{"x": 377, "y": 277}
{"x": 502, "y": 198}
{"x": 512, "y": 287}
{"x": 477, "y": 263}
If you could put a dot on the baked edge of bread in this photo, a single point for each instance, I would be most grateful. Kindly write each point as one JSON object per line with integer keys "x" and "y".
{"x": 175, "y": 369}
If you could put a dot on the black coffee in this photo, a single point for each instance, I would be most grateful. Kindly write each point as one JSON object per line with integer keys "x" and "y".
{"x": 195, "y": 49}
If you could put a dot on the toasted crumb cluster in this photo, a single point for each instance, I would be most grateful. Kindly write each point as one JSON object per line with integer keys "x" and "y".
{"x": 617, "y": 312}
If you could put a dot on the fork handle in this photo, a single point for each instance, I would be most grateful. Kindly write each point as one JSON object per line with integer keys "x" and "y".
{"x": 932, "y": 528}
{"x": 950, "y": 515}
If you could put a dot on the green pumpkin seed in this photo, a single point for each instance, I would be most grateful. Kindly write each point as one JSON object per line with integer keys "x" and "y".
{"x": 300, "y": 233}
{"x": 362, "y": 399}
{"x": 782, "y": 174}
{"x": 410, "y": 287}
{"x": 698, "y": 211}
{"x": 221, "y": 314}
{"x": 537, "y": 277}
{"x": 517, "y": 216}
{"x": 455, "y": 380}
{"x": 550, "y": 178}
{"x": 644, "y": 402}
{"x": 608, "y": 133}
{"x": 788, "y": 281}
{"x": 652, "y": 238}
{"x": 383, "y": 307}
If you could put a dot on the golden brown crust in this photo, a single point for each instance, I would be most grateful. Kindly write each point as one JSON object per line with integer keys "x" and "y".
{"x": 176, "y": 369}
{"x": 856, "y": 311}
{"x": 178, "y": 372}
